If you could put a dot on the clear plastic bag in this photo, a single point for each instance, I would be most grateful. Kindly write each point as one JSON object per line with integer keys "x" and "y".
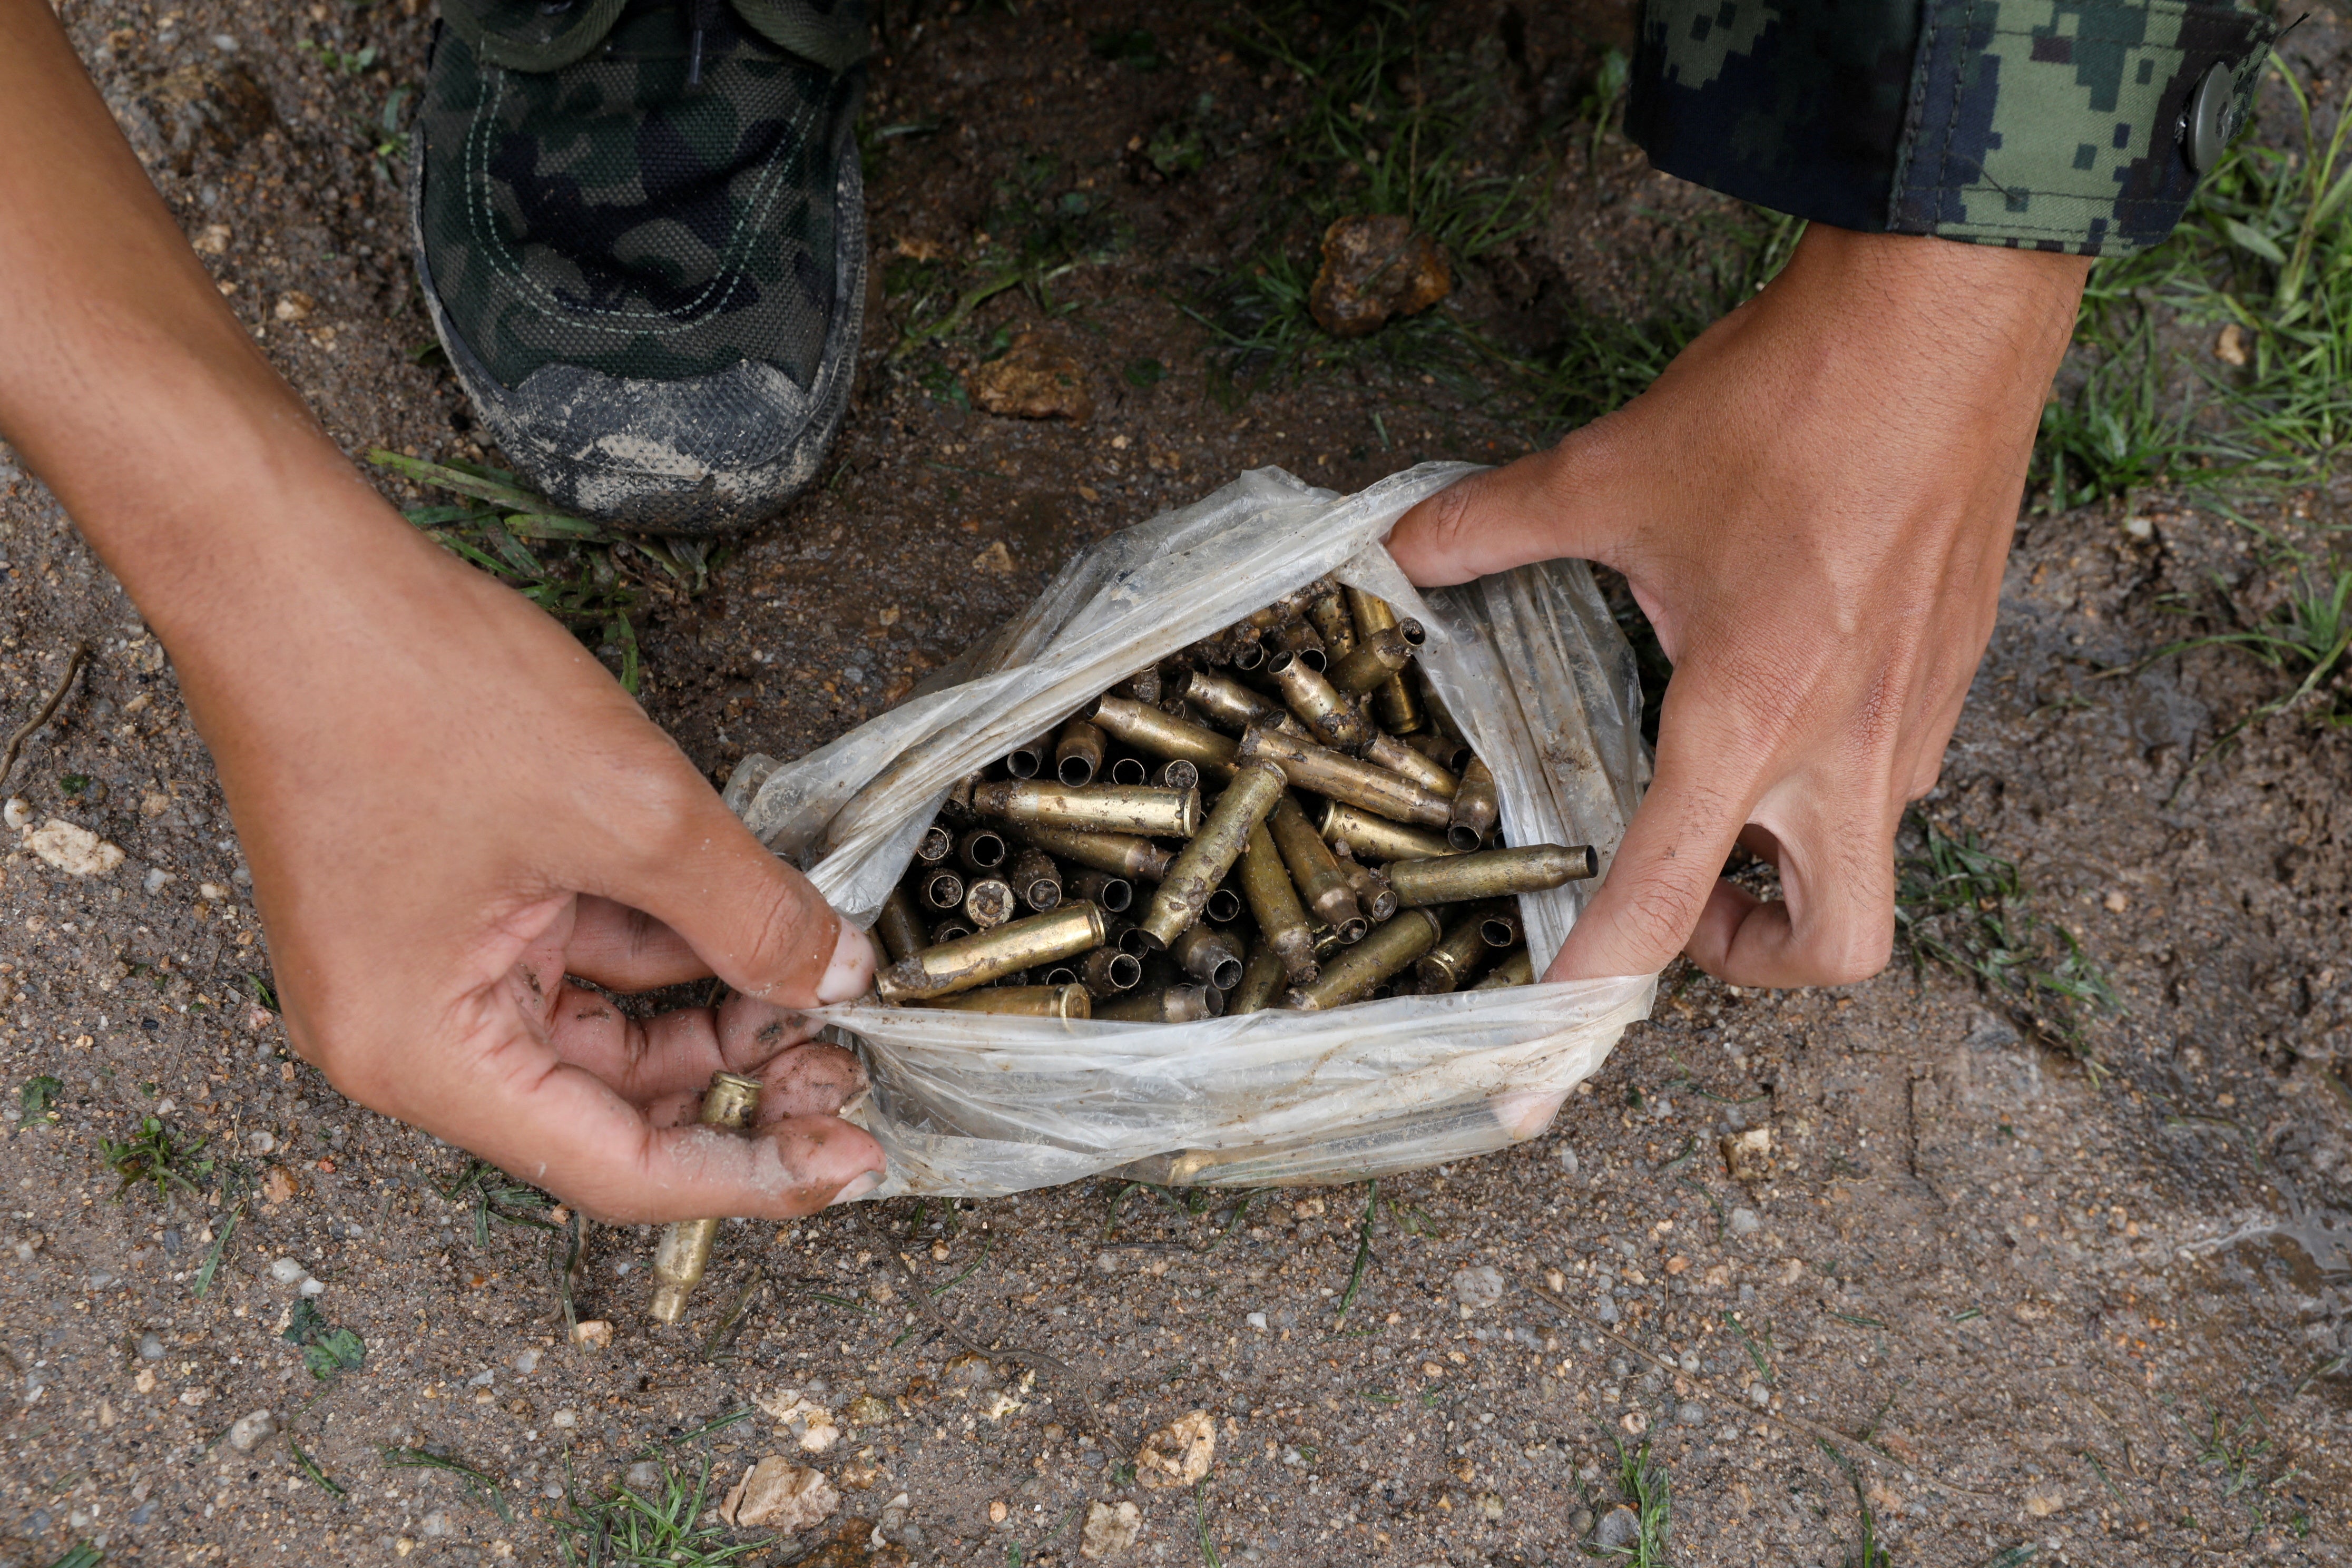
{"x": 1529, "y": 666}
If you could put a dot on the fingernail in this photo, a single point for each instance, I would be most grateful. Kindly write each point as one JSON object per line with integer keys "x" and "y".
{"x": 851, "y": 973}
{"x": 857, "y": 1188}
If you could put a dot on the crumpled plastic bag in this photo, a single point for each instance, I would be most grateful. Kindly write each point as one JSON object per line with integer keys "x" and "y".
{"x": 1532, "y": 669}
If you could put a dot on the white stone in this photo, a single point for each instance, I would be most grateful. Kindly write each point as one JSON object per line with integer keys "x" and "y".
{"x": 780, "y": 1495}
{"x": 566, "y": 1419}
{"x": 158, "y": 879}
{"x": 1744, "y": 1222}
{"x": 286, "y": 1272}
{"x": 77, "y": 851}
{"x": 1478, "y": 1286}
{"x": 261, "y": 1142}
{"x": 248, "y": 1430}
{"x": 314, "y": 1288}
{"x": 17, "y": 812}
{"x": 526, "y": 1362}
{"x": 1256, "y": 1320}
{"x": 1109, "y": 1528}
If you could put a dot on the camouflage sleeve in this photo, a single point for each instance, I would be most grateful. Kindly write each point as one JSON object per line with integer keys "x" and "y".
{"x": 2071, "y": 125}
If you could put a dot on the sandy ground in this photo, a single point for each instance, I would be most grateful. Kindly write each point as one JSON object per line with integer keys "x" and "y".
{"x": 2028, "y": 1302}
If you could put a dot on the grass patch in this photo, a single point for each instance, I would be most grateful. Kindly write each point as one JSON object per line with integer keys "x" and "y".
{"x": 151, "y": 1157}
{"x": 1959, "y": 905}
{"x": 659, "y": 1528}
{"x": 491, "y": 1196}
{"x": 1647, "y": 1489}
{"x": 583, "y": 574}
{"x": 2261, "y": 268}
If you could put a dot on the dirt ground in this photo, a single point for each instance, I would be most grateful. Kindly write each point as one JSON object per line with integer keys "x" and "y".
{"x": 1986, "y": 1304}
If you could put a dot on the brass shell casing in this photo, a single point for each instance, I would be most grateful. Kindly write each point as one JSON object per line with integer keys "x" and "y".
{"x": 1261, "y": 982}
{"x": 1128, "y": 772}
{"x": 1330, "y": 718}
{"x": 1303, "y": 642}
{"x": 1287, "y": 608}
{"x": 1328, "y": 614}
{"x": 1373, "y": 894}
{"x": 1448, "y": 751}
{"x": 1489, "y": 873}
{"x": 1020, "y": 1001}
{"x": 1107, "y": 972}
{"x": 935, "y": 845}
{"x": 1514, "y": 969}
{"x": 1315, "y": 872}
{"x": 1385, "y": 751}
{"x": 1208, "y": 956}
{"x": 1143, "y": 686}
{"x": 1352, "y": 975}
{"x": 955, "y": 928}
{"x": 1375, "y": 661}
{"x": 684, "y": 1250}
{"x": 976, "y": 960}
{"x": 1177, "y": 773}
{"x": 941, "y": 890}
{"x": 1392, "y": 700}
{"x": 1164, "y": 735}
{"x": 1317, "y": 768}
{"x": 1202, "y": 863}
{"x": 1098, "y": 887}
{"x": 988, "y": 902}
{"x": 1027, "y": 759}
{"x": 1098, "y": 808}
{"x": 1120, "y": 854}
{"x": 981, "y": 850}
{"x": 1274, "y": 903}
{"x": 1474, "y": 807}
{"x": 1224, "y": 906}
{"x": 1371, "y": 838}
{"x": 1226, "y": 701}
{"x": 1037, "y": 880}
{"x": 1077, "y": 753}
{"x": 897, "y": 927}
{"x": 1466, "y": 944}
{"x": 1176, "y": 1004}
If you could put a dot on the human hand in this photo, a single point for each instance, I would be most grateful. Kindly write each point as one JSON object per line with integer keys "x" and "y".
{"x": 1812, "y": 504}
{"x": 449, "y": 808}
{"x": 448, "y": 805}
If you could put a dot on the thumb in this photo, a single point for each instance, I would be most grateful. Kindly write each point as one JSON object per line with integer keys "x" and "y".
{"x": 755, "y": 921}
{"x": 1668, "y": 869}
{"x": 1576, "y": 499}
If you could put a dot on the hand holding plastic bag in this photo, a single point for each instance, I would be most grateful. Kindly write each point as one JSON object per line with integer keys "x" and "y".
{"x": 1531, "y": 669}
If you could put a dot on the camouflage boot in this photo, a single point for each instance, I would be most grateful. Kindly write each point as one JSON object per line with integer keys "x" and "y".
{"x": 641, "y": 232}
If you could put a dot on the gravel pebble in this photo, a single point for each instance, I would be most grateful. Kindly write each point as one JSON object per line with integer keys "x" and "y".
{"x": 286, "y": 1271}
{"x": 1478, "y": 1286}
{"x": 151, "y": 1346}
{"x": 1619, "y": 1528}
{"x": 1744, "y": 1222}
{"x": 248, "y": 1430}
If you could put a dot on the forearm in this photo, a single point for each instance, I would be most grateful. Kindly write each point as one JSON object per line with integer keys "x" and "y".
{"x": 129, "y": 384}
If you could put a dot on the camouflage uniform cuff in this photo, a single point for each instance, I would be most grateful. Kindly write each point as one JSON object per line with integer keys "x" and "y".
{"x": 2055, "y": 124}
{"x": 521, "y": 35}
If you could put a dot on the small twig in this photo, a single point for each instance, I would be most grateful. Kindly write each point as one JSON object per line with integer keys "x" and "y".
{"x": 49, "y": 709}
{"x": 1792, "y": 1423}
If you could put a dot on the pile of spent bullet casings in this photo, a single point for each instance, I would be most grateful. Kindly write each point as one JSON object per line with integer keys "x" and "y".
{"x": 1275, "y": 817}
